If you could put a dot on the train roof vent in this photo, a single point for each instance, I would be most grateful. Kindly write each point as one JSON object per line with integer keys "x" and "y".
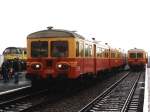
{"x": 93, "y": 39}
{"x": 50, "y": 28}
{"x": 74, "y": 31}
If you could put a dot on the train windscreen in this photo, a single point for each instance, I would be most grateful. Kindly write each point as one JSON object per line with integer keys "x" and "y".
{"x": 132, "y": 55}
{"x": 12, "y": 50}
{"x": 59, "y": 49}
{"x": 39, "y": 49}
{"x": 139, "y": 55}
{"x": 136, "y": 55}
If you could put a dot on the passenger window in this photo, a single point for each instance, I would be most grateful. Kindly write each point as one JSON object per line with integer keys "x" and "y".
{"x": 81, "y": 50}
{"x": 86, "y": 50}
{"x": 103, "y": 52}
{"x": 98, "y": 51}
{"x": 106, "y": 53}
{"x": 119, "y": 55}
{"x": 90, "y": 50}
{"x": 112, "y": 55}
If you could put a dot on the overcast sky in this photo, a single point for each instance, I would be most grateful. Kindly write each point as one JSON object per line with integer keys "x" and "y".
{"x": 121, "y": 23}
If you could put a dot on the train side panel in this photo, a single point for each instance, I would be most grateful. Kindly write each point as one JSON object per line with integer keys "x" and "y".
{"x": 54, "y": 54}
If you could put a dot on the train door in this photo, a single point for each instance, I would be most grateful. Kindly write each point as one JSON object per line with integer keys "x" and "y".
{"x": 94, "y": 58}
{"x": 80, "y": 55}
{"x": 81, "y": 48}
{"x": 109, "y": 58}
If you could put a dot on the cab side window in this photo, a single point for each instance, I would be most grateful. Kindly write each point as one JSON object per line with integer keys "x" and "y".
{"x": 77, "y": 49}
{"x": 81, "y": 50}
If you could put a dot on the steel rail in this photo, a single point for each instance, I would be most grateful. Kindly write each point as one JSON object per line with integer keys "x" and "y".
{"x": 107, "y": 91}
{"x": 38, "y": 104}
{"x": 127, "y": 102}
{"x": 12, "y": 101}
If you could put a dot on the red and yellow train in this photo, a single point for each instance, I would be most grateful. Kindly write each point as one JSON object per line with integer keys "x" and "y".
{"x": 137, "y": 58}
{"x": 55, "y": 53}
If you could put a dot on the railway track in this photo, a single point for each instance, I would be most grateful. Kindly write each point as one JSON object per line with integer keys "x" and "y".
{"x": 117, "y": 98}
{"x": 21, "y": 102}
{"x": 31, "y": 102}
{"x": 28, "y": 102}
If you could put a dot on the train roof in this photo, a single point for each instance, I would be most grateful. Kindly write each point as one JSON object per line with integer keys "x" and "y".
{"x": 50, "y": 32}
{"x": 136, "y": 50}
{"x": 15, "y": 48}
{"x": 11, "y": 47}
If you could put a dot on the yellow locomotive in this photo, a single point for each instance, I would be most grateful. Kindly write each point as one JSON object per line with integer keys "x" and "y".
{"x": 10, "y": 53}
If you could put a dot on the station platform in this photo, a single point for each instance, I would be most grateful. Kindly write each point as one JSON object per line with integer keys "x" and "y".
{"x": 10, "y": 86}
{"x": 146, "y": 106}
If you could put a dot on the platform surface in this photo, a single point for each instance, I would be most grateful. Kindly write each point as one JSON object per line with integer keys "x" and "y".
{"x": 146, "y": 107}
{"x": 11, "y": 85}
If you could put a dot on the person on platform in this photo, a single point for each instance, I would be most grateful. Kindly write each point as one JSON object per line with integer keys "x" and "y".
{"x": 5, "y": 71}
{"x": 16, "y": 69}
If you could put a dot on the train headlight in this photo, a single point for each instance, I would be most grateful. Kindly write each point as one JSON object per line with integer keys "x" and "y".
{"x": 37, "y": 66}
{"x": 63, "y": 66}
{"x": 59, "y": 65}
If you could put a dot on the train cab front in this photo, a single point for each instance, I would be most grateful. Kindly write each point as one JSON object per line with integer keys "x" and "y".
{"x": 136, "y": 64}
{"x": 53, "y": 69}
{"x": 52, "y": 58}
